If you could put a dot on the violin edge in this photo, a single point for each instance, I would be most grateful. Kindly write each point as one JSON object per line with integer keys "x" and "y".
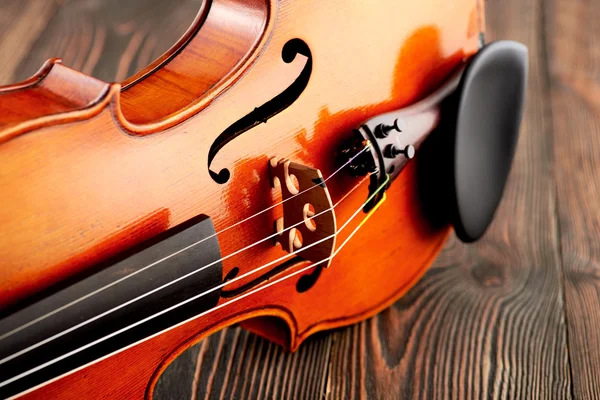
{"x": 87, "y": 96}
{"x": 34, "y": 79}
{"x": 69, "y": 96}
{"x": 172, "y": 51}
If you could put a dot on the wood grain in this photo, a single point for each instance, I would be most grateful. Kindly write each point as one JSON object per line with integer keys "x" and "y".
{"x": 21, "y": 23}
{"x": 235, "y": 364}
{"x": 109, "y": 39}
{"x": 573, "y": 38}
{"x": 487, "y": 320}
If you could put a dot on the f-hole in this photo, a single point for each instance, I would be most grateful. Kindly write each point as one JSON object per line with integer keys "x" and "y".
{"x": 304, "y": 283}
{"x": 307, "y": 281}
{"x": 262, "y": 114}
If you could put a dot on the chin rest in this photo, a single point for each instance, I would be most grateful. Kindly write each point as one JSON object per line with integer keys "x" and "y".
{"x": 467, "y": 160}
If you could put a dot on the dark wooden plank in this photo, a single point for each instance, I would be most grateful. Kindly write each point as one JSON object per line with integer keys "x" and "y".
{"x": 487, "y": 320}
{"x": 21, "y": 23}
{"x": 235, "y": 364}
{"x": 109, "y": 39}
{"x": 574, "y": 41}
{"x": 177, "y": 382}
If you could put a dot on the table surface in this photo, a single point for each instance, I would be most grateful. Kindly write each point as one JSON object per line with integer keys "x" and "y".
{"x": 515, "y": 316}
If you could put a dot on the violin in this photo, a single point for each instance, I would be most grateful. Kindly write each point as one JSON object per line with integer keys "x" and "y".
{"x": 292, "y": 166}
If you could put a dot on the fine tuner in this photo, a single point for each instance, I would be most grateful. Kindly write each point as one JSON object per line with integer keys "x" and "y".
{"x": 469, "y": 127}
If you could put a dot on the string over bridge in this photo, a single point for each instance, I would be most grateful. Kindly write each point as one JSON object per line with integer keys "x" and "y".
{"x": 307, "y": 210}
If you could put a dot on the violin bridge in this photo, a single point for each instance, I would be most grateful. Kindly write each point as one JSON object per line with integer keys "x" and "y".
{"x": 308, "y": 225}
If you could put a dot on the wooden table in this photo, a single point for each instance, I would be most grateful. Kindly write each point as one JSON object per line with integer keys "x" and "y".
{"x": 514, "y": 316}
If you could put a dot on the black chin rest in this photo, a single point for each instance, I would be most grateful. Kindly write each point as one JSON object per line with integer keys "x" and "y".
{"x": 470, "y": 155}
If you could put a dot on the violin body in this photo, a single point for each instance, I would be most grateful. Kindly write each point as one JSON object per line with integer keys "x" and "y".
{"x": 90, "y": 170}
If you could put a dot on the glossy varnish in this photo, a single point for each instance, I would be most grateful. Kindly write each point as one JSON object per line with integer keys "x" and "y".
{"x": 87, "y": 178}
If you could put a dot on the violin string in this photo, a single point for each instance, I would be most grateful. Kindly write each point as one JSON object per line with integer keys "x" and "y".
{"x": 124, "y": 329}
{"x": 88, "y": 295}
{"x": 148, "y": 293}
